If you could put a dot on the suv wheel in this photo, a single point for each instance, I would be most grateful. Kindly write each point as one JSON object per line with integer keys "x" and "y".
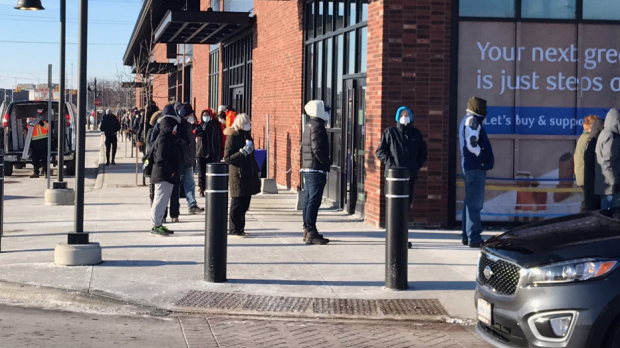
{"x": 612, "y": 339}
{"x": 8, "y": 168}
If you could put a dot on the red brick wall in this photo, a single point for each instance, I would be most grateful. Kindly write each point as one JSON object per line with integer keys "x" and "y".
{"x": 200, "y": 71}
{"x": 409, "y": 64}
{"x": 160, "y": 81}
{"x": 277, "y": 85}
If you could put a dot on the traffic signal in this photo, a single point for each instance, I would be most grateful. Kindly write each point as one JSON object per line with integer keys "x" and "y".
{"x": 18, "y": 89}
{"x": 57, "y": 89}
{"x": 74, "y": 91}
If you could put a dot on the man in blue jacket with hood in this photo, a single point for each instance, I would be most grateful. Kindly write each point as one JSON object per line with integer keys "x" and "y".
{"x": 476, "y": 159}
{"x": 403, "y": 146}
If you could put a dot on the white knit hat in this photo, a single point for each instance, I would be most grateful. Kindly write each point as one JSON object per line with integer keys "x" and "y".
{"x": 316, "y": 108}
{"x": 221, "y": 108}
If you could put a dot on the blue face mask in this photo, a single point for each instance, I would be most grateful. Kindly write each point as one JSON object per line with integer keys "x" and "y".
{"x": 206, "y": 119}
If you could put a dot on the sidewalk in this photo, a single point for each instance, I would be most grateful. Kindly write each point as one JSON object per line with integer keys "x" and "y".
{"x": 161, "y": 271}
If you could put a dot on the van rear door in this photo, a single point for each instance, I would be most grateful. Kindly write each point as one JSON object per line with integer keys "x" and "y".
{"x": 19, "y": 114}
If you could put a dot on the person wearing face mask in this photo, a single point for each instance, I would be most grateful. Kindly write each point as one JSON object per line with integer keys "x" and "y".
{"x": 243, "y": 174}
{"x": 315, "y": 165}
{"x": 403, "y": 146}
{"x": 186, "y": 129}
{"x": 221, "y": 115}
{"x": 476, "y": 159}
{"x": 208, "y": 145}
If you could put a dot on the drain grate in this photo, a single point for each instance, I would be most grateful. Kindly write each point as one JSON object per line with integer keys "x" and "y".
{"x": 336, "y": 306}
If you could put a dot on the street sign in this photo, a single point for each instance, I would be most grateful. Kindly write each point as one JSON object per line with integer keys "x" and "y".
{"x": 97, "y": 102}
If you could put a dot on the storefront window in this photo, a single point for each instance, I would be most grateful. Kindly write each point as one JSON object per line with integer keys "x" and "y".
{"x": 215, "y": 5}
{"x": 487, "y": 8}
{"x": 363, "y": 49}
{"x": 239, "y": 5}
{"x": 340, "y": 14}
{"x": 329, "y": 71}
{"x": 319, "y": 70}
{"x": 351, "y": 53}
{"x": 339, "y": 74}
{"x": 329, "y": 18}
{"x": 309, "y": 72}
{"x": 309, "y": 20}
{"x": 555, "y": 9}
{"x": 352, "y": 12}
{"x": 364, "y": 11}
{"x": 319, "y": 18}
{"x": 601, "y": 9}
{"x": 214, "y": 79}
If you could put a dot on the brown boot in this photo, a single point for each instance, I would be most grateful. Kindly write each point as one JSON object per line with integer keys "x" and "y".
{"x": 316, "y": 239}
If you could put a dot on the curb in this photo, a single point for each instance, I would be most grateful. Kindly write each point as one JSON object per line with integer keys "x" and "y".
{"x": 73, "y": 299}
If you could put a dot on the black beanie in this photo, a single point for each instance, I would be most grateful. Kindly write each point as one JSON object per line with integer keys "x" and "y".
{"x": 477, "y": 106}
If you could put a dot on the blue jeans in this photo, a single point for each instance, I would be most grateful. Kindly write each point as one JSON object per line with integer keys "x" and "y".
{"x": 610, "y": 201}
{"x": 315, "y": 184}
{"x": 474, "y": 201}
{"x": 190, "y": 187}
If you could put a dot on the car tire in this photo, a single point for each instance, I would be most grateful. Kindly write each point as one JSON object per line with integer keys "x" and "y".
{"x": 612, "y": 339}
{"x": 70, "y": 170}
{"x": 8, "y": 168}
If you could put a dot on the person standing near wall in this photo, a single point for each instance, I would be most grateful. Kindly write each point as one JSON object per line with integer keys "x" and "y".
{"x": 580, "y": 150}
{"x": 188, "y": 120}
{"x": 38, "y": 144}
{"x": 476, "y": 159}
{"x": 608, "y": 157}
{"x": 244, "y": 176}
{"x": 315, "y": 165}
{"x": 403, "y": 146}
{"x": 208, "y": 145}
{"x": 592, "y": 170}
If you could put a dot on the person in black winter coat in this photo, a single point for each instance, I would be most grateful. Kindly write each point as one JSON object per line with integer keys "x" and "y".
{"x": 208, "y": 145}
{"x": 167, "y": 167}
{"x": 315, "y": 164}
{"x": 591, "y": 200}
{"x": 110, "y": 126}
{"x": 403, "y": 146}
{"x": 243, "y": 174}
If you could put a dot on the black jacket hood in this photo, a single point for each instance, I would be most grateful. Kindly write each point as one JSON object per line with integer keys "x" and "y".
{"x": 597, "y": 128}
{"x": 167, "y": 125}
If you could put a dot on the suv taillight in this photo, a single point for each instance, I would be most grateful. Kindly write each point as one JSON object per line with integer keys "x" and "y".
{"x": 5, "y": 120}
{"x": 68, "y": 118}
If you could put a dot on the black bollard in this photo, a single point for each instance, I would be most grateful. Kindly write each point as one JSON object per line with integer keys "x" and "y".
{"x": 216, "y": 222}
{"x": 397, "y": 226}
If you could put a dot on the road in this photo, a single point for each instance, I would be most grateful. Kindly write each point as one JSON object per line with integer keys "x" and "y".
{"x": 22, "y": 327}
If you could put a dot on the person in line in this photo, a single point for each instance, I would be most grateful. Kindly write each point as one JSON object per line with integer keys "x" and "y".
{"x": 230, "y": 116}
{"x": 208, "y": 145}
{"x": 476, "y": 159}
{"x": 38, "y": 144}
{"x": 592, "y": 201}
{"x": 188, "y": 120}
{"x": 579, "y": 156}
{"x": 608, "y": 157}
{"x": 403, "y": 146}
{"x": 110, "y": 126}
{"x": 315, "y": 165}
{"x": 167, "y": 167}
{"x": 243, "y": 174}
{"x": 175, "y": 206}
{"x": 222, "y": 118}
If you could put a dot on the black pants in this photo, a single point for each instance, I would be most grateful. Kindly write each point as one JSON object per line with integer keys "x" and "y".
{"x": 238, "y": 207}
{"x": 202, "y": 172}
{"x": 39, "y": 154}
{"x": 591, "y": 201}
{"x": 175, "y": 206}
{"x": 110, "y": 142}
{"x": 411, "y": 187}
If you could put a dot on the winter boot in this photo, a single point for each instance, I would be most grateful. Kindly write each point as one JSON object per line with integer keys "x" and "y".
{"x": 316, "y": 239}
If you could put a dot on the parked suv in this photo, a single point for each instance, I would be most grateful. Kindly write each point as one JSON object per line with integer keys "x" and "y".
{"x": 552, "y": 284}
{"x": 14, "y": 122}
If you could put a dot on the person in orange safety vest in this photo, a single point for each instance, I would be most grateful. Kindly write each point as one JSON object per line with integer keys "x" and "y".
{"x": 38, "y": 145}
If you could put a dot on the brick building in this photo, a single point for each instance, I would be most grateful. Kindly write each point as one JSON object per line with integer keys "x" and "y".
{"x": 366, "y": 58}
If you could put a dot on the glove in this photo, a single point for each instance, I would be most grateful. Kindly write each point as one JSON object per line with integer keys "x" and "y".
{"x": 244, "y": 152}
{"x": 146, "y": 164}
{"x": 41, "y": 123}
{"x": 249, "y": 148}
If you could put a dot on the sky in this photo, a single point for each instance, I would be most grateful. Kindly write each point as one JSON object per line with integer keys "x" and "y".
{"x": 29, "y": 40}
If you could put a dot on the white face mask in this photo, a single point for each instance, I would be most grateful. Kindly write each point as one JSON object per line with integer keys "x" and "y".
{"x": 405, "y": 120}
{"x": 247, "y": 127}
{"x": 191, "y": 119}
{"x": 206, "y": 119}
{"x": 222, "y": 120}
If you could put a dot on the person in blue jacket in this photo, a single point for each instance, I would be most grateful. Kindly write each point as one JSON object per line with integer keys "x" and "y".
{"x": 476, "y": 159}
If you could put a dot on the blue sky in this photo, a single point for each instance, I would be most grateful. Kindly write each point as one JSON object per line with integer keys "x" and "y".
{"x": 111, "y": 23}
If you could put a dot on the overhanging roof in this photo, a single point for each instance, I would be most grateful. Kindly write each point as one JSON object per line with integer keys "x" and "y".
{"x": 157, "y": 68}
{"x": 200, "y": 27}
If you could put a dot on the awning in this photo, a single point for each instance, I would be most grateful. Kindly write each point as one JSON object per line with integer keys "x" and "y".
{"x": 157, "y": 68}
{"x": 201, "y": 27}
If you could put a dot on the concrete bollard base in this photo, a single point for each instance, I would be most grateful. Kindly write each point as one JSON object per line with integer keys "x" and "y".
{"x": 60, "y": 197}
{"x": 77, "y": 254}
{"x": 269, "y": 186}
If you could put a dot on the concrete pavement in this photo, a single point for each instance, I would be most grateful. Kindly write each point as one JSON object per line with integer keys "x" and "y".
{"x": 158, "y": 271}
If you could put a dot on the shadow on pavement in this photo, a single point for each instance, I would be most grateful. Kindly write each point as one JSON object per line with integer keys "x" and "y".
{"x": 147, "y": 263}
{"x": 423, "y": 285}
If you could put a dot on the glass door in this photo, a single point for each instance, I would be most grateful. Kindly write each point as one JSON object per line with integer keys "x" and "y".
{"x": 354, "y": 142}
